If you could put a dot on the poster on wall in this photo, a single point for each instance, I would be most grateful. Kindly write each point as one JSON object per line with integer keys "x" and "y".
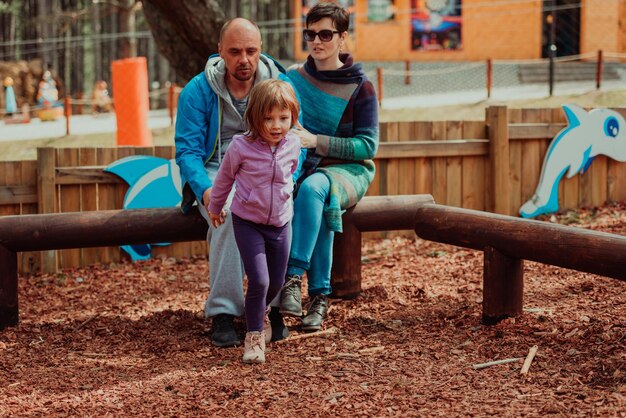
{"x": 346, "y": 4}
{"x": 380, "y": 10}
{"x": 436, "y": 25}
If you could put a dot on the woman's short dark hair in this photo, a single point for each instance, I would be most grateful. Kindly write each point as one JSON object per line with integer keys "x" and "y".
{"x": 339, "y": 15}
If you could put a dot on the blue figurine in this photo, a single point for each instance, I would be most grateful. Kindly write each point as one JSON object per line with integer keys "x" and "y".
{"x": 10, "y": 105}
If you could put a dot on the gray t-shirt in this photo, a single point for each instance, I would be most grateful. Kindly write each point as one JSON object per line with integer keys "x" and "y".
{"x": 232, "y": 123}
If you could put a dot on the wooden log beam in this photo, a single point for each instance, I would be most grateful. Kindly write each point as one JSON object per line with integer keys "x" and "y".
{"x": 503, "y": 286}
{"x": 100, "y": 228}
{"x": 564, "y": 246}
{"x": 8, "y": 288}
{"x": 388, "y": 213}
{"x": 375, "y": 213}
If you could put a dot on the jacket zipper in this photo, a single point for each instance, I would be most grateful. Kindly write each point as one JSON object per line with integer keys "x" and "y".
{"x": 269, "y": 216}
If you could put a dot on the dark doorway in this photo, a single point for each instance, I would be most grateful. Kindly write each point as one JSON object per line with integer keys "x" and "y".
{"x": 567, "y": 27}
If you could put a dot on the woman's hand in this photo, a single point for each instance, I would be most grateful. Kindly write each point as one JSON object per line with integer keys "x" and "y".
{"x": 217, "y": 219}
{"x": 307, "y": 139}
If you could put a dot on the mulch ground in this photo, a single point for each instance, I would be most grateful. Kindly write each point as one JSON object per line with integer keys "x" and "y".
{"x": 130, "y": 339}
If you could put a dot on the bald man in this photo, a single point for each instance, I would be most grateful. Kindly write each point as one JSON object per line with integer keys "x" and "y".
{"x": 210, "y": 112}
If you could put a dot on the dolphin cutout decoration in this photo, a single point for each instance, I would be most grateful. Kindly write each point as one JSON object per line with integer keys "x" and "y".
{"x": 153, "y": 183}
{"x": 588, "y": 134}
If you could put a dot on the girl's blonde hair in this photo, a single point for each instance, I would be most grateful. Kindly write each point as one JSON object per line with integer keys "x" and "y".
{"x": 264, "y": 97}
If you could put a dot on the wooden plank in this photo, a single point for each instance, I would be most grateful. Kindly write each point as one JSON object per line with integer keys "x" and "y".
{"x": 454, "y": 167}
{"x": 532, "y": 160}
{"x": 616, "y": 179}
{"x": 423, "y": 131}
{"x": 69, "y": 201}
{"x": 423, "y": 176}
{"x": 393, "y": 166}
{"x": 439, "y": 166}
{"x": 29, "y": 262}
{"x": 46, "y": 189}
{"x": 473, "y": 175}
{"x": 515, "y": 115}
{"x": 568, "y": 199}
{"x": 585, "y": 184}
{"x": 10, "y": 175}
{"x": 523, "y": 131}
{"x": 599, "y": 180}
{"x": 88, "y": 202}
{"x": 429, "y": 149}
{"x": 515, "y": 176}
{"x": 85, "y": 175}
{"x": 18, "y": 195}
{"x": 406, "y": 166}
{"x": 107, "y": 199}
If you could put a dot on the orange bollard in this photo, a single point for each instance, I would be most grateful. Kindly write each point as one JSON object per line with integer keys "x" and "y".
{"x": 68, "y": 112}
{"x": 130, "y": 91}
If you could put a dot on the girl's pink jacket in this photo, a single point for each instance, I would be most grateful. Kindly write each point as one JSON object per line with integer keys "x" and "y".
{"x": 264, "y": 180}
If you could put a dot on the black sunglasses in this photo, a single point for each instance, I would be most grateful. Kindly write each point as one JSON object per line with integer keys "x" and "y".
{"x": 325, "y": 35}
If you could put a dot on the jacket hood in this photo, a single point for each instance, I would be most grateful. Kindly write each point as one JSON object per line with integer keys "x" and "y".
{"x": 215, "y": 71}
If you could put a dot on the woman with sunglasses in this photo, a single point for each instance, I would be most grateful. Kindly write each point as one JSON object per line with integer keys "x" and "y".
{"x": 340, "y": 120}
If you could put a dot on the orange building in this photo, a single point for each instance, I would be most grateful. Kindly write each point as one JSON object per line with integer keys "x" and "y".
{"x": 471, "y": 30}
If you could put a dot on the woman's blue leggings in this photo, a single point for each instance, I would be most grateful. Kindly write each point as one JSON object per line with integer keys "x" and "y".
{"x": 312, "y": 242}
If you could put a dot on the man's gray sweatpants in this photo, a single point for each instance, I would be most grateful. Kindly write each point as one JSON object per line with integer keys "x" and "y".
{"x": 225, "y": 265}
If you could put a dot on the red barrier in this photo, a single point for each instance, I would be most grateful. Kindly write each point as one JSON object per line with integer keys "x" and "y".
{"x": 130, "y": 91}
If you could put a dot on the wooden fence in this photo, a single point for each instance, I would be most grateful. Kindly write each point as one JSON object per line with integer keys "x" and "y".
{"x": 491, "y": 165}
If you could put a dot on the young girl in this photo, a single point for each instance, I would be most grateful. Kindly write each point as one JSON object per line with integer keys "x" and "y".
{"x": 262, "y": 162}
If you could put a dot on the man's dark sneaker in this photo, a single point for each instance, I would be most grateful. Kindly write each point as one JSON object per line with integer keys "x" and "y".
{"x": 277, "y": 326}
{"x": 224, "y": 334}
{"x": 291, "y": 296}
{"x": 316, "y": 314}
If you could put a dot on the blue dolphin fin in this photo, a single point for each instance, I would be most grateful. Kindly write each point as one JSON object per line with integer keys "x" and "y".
{"x": 137, "y": 252}
{"x": 132, "y": 168}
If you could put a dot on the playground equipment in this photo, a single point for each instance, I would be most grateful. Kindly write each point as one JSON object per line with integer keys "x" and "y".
{"x": 506, "y": 241}
{"x": 48, "y": 97}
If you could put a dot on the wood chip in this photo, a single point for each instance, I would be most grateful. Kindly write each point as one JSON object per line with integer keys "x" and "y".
{"x": 529, "y": 359}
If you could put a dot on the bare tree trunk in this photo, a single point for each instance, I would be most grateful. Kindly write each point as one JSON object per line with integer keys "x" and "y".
{"x": 128, "y": 45}
{"x": 186, "y": 32}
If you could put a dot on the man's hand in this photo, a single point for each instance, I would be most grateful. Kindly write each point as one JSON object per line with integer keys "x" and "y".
{"x": 217, "y": 219}
{"x": 307, "y": 139}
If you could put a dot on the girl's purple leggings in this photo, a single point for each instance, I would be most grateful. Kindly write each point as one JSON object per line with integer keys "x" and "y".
{"x": 264, "y": 251}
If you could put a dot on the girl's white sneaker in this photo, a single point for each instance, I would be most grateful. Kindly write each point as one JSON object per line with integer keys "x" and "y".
{"x": 254, "y": 349}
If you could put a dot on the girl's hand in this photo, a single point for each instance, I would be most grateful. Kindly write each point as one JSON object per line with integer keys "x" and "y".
{"x": 307, "y": 139}
{"x": 217, "y": 219}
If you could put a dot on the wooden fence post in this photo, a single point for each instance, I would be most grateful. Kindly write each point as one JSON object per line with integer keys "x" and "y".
{"x": 599, "y": 70}
{"x": 503, "y": 286}
{"x": 46, "y": 197}
{"x": 407, "y": 72}
{"x": 346, "y": 271}
{"x": 498, "y": 130}
{"x": 489, "y": 77}
{"x": 379, "y": 80}
{"x": 8, "y": 288}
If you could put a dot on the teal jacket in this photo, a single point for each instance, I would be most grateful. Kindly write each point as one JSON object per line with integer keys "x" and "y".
{"x": 197, "y": 134}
